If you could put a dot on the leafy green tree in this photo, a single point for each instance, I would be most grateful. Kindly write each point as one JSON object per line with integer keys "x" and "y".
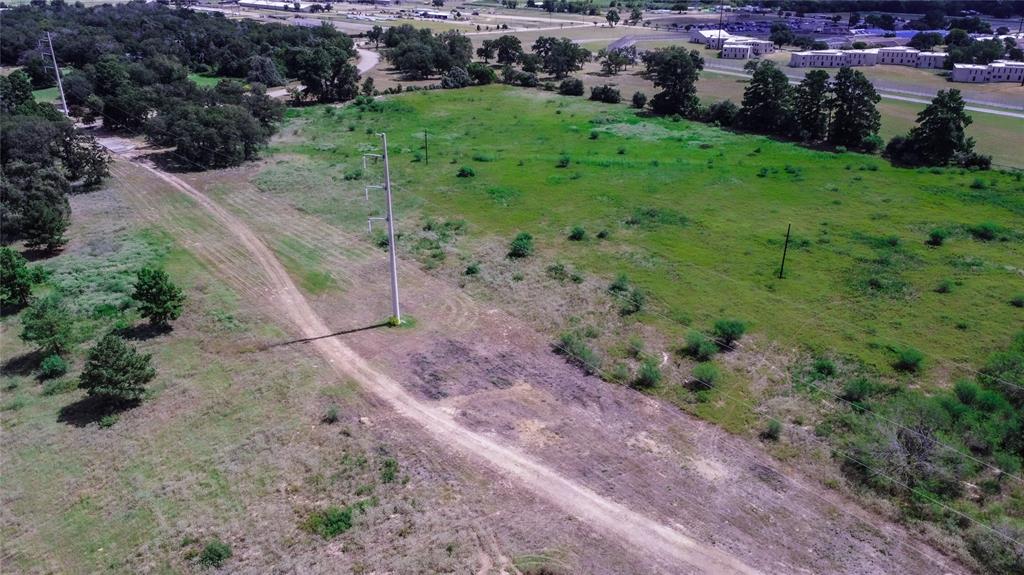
{"x": 856, "y": 118}
{"x": 676, "y": 71}
{"x": 15, "y": 90}
{"x": 781, "y": 34}
{"x": 812, "y": 106}
{"x": 560, "y": 56}
{"x": 487, "y": 50}
{"x": 263, "y": 70}
{"x": 612, "y": 17}
{"x": 456, "y": 50}
{"x": 957, "y": 37}
{"x": 115, "y": 371}
{"x": 635, "y": 16}
{"x": 15, "y": 278}
{"x": 327, "y": 74}
{"x": 925, "y": 40}
{"x": 159, "y": 299}
{"x": 941, "y": 132}
{"x": 767, "y": 99}
{"x": 509, "y": 50}
{"x": 375, "y": 35}
{"x": 84, "y": 158}
{"x": 47, "y": 323}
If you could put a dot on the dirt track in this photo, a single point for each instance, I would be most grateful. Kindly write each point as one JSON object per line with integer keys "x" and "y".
{"x": 606, "y": 516}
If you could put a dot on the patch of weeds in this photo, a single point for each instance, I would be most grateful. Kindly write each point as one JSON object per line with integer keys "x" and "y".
{"x": 937, "y": 237}
{"x": 563, "y": 161}
{"x": 1017, "y": 300}
{"x": 215, "y": 553}
{"x": 705, "y": 374}
{"x": 699, "y": 346}
{"x": 352, "y": 174}
{"x": 576, "y": 351}
{"x": 727, "y": 331}
{"x": 824, "y": 367}
{"x": 773, "y": 431}
{"x": 482, "y": 157}
{"x": 466, "y": 172}
{"x": 331, "y": 415}
{"x": 15, "y": 404}
{"x": 908, "y": 359}
{"x": 503, "y": 196}
{"x": 656, "y": 216}
{"x": 330, "y": 522}
{"x": 944, "y": 286}
{"x": 603, "y": 234}
{"x": 59, "y": 386}
{"x": 472, "y": 269}
{"x": 388, "y": 470}
{"x": 649, "y": 374}
{"x": 108, "y": 420}
{"x": 986, "y": 231}
{"x": 577, "y": 234}
{"x": 557, "y": 272}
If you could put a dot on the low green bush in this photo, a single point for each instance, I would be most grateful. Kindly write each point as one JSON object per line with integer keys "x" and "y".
{"x": 649, "y": 374}
{"x": 699, "y": 346}
{"x": 908, "y": 359}
{"x": 858, "y": 389}
{"x": 563, "y": 161}
{"x": 639, "y": 100}
{"x": 620, "y": 285}
{"x": 937, "y": 236}
{"x": 577, "y": 234}
{"x": 727, "y": 331}
{"x": 944, "y": 286}
{"x": 388, "y": 470}
{"x": 773, "y": 431}
{"x": 521, "y": 246}
{"x": 215, "y": 553}
{"x": 330, "y": 522}
{"x": 108, "y": 421}
{"x": 466, "y": 172}
{"x": 705, "y": 374}
{"x": 331, "y": 415}
{"x": 985, "y": 231}
{"x": 577, "y": 352}
{"x": 53, "y": 366}
{"x": 472, "y": 269}
{"x": 59, "y": 386}
{"x": 632, "y": 302}
{"x": 824, "y": 367}
{"x": 1017, "y": 300}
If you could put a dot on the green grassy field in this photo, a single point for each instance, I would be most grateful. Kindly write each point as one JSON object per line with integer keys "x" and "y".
{"x": 205, "y": 80}
{"x": 712, "y": 209}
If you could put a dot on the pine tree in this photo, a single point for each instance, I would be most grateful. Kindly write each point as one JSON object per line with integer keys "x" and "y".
{"x": 940, "y": 135}
{"x": 15, "y": 278}
{"x": 115, "y": 371}
{"x": 856, "y": 117}
{"x": 767, "y": 100}
{"x": 47, "y": 323}
{"x": 812, "y": 106}
{"x": 159, "y": 299}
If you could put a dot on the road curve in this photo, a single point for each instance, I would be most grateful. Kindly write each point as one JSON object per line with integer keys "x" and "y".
{"x": 634, "y": 530}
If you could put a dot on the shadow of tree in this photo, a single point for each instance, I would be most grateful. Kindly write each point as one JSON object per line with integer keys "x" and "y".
{"x": 91, "y": 409}
{"x": 144, "y": 331}
{"x": 22, "y": 364}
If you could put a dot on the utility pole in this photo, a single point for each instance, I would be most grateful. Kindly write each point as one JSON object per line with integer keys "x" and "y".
{"x": 56, "y": 70}
{"x": 396, "y": 312}
{"x": 426, "y": 152}
{"x": 785, "y": 248}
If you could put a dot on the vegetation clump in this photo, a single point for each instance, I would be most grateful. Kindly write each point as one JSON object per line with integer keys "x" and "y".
{"x": 649, "y": 374}
{"x": 115, "y": 372}
{"x": 705, "y": 374}
{"x": 215, "y": 553}
{"x": 521, "y": 246}
{"x": 728, "y": 331}
{"x": 576, "y": 351}
{"x": 159, "y": 299}
{"x": 699, "y": 346}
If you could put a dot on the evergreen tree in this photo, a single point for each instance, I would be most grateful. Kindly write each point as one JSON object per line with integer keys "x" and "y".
{"x": 15, "y": 278}
{"x": 940, "y": 135}
{"x": 159, "y": 299}
{"x": 675, "y": 70}
{"x": 812, "y": 106}
{"x": 115, "y": 371}
{"x": 47, "y": 323}
{"x": 766, "y": 100}
{"x": 856, "y": 117}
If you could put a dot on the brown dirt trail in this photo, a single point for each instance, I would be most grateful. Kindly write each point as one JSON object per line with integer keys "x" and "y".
{"x": 604, "y": 515}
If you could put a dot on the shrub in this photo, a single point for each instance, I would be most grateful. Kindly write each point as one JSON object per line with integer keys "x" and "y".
{"x": 705, "y": 374}
{"x": 999, "y": 548}
{"x": 53, "y": 366}
{"x": 986, "y": 231}
{"x": 620, "y": 285}
{"x": 115, "y": 371}
{"x": 633, "y": 302}
{"x": 649, "y": 374}
{"x": 481, "y": 74}
{"x": 577, "y": 352}
{"x": 1017, "y": 300}
{"x": 472, "y": 269}
{"x": 455, "y": 77}
{"x": 331, "y": 416}
{"x": 639, "y": 100}
{"x": 978, "y": 184}
{"x": 603, "y": 234}
{"x": 330, "y": 522}
{"x": 558, "y": 272}
{"x": 606, "y": 93}
{"x": 388, "y": 470}
{"x": 577, "y": 234}
{"x": 937, "y": 236}
{"x": 773, "y": 431}
{"x": 824, "y": 367}
{"x": 159, "y": 299}
{"x": 699, "y": 346}
{"x": 594, "y": 134}
{"x": 859, "y": 389}
{"x": 571, "y": 87}
{"x": 944, "y": 286}
{"x": 521, "y": 246}
{"x": 722, "y": 113}
{"x": 466, "y": 172}
{"x": 47, "y": 323}
{"x": 215, "y": 553}
{"x": 15, "y": 278}
{"x": 727, "y": 331}
{"x": 908, "y": 359}
{"x": 59, "y": 386}
{"x": 563, "y": 161}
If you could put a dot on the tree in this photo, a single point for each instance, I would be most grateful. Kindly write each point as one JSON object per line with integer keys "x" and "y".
{"x": 635, "y": 16}
{"x": 781, "y": 34}
{"x": 612, "y": 17}
{"x": 457, "y": 50}
{"x": 560, "y": 56}
{"x": 812, "y": 106}
{"x": 614, "y": 60}
{"x": 264, "y": 71}
{"x": 45, "y": 223}
{"x": 367, "y": 89}
{"x": 159, "y": 299}
{"x": 375, "y": 35}
{"x": 676, "y": 71}
{"x": 766, "y": 105}
{"x": 15, "y": 279}
{"x": 327, "y": 74}
{"x": 854, "y": 19}
{"x": 940, "y": 135}
{"x": 115, "y": 371}
{"x": 15, "y": 90}
{"x": 486, "y": 50}
{"x": 481, "y": 73}
{"x": 925, "y": 40}
{"x": 957, "y": 37}
{"x": 84, "y": 158}
{"x": 509, "y": 49}
{"x": 856, "y": 117}
{"x": 47, "y": 323}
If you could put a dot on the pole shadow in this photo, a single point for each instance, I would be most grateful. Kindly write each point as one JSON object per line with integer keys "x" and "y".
{"x": 335, "y": 334}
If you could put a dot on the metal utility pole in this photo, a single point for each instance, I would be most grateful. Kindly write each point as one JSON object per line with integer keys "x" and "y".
{"x": 56, "y": 70}
{"x": 785, "y": 248}
{"x": 396, "y": 312}
{"x": 426, "y": 152}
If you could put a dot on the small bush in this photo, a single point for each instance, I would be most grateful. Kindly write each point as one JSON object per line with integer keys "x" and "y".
{"x": 633, "y": 302}
{"x": 699, "y": 346}
{"x": 558, "y": 272}
{"x": 603, "y": 234}
{"x": 53, "y": 366}
{"x": 773, "y": 431}
{"x": 59, "y": 386}
{"x": 986, "y": 231}
{"x": 606, "y": 93}
{"x": 1017, "y": 300}
{"x": 563, "y": 161}
{"x": 331, "y": 416}
{"x": 937, "y": 236}
{"x": 330, "y": 522}
{"x": 466, "y": 172}
{"x": 705, "y": 374}
{"x": 727, "y": 331}
{"x": 594, "y": 134}
{"x": 978, "y": 184}
{"x": 481, "y": 74}
{"x": 521, "y": 246}
{"x": 577, "y": 352}
{"x": 577, "y": 234}
{"x": 944, "y": 286}
{"x": 639, "y": 100}
{"x": 859, "y": 389}
{"x": 472, "y": 269}
{"x": 571, "y": 87}
{"x": 649, "y": 374}
{"x": 388, "y": 470}
{"x": 108, "y": 421}
{"x": 620, "y": 285}
{"x": 908, "y": 359}
{"x": 824, "y": 367}
{"x": 215, "y": 553}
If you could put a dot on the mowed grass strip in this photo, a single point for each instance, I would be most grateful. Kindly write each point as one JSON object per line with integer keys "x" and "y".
{"x": 860, "y": 277}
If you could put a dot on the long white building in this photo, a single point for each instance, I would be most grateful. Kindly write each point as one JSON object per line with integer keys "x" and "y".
{"x": 896, "y": 55}
{"x": 998, "y": 71}
{"x": 732, "y": 47}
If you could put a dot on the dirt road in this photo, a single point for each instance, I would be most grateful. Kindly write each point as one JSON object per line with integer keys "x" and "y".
{"x": 634, "y": 530}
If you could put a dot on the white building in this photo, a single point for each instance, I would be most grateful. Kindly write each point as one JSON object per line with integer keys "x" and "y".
{"x": 897, "y": 55}
{"x": 286, "y": 6}
{"x": 734, "y": 51}
{"x": 998, "y": 71}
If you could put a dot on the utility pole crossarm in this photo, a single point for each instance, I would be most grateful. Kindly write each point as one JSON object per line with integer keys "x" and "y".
{"x": 389, "y": 218}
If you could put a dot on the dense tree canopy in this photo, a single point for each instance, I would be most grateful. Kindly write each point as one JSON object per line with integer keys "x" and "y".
{"x": 766, "y": 99}
{"x": 560, "y": 56}
{"x": 812, "y": 103}
{"x": 675, "y": 70}
{"x": 418, "y": 53}
{"x": 856, "y": 117}
{"x": 940, "y": 137}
